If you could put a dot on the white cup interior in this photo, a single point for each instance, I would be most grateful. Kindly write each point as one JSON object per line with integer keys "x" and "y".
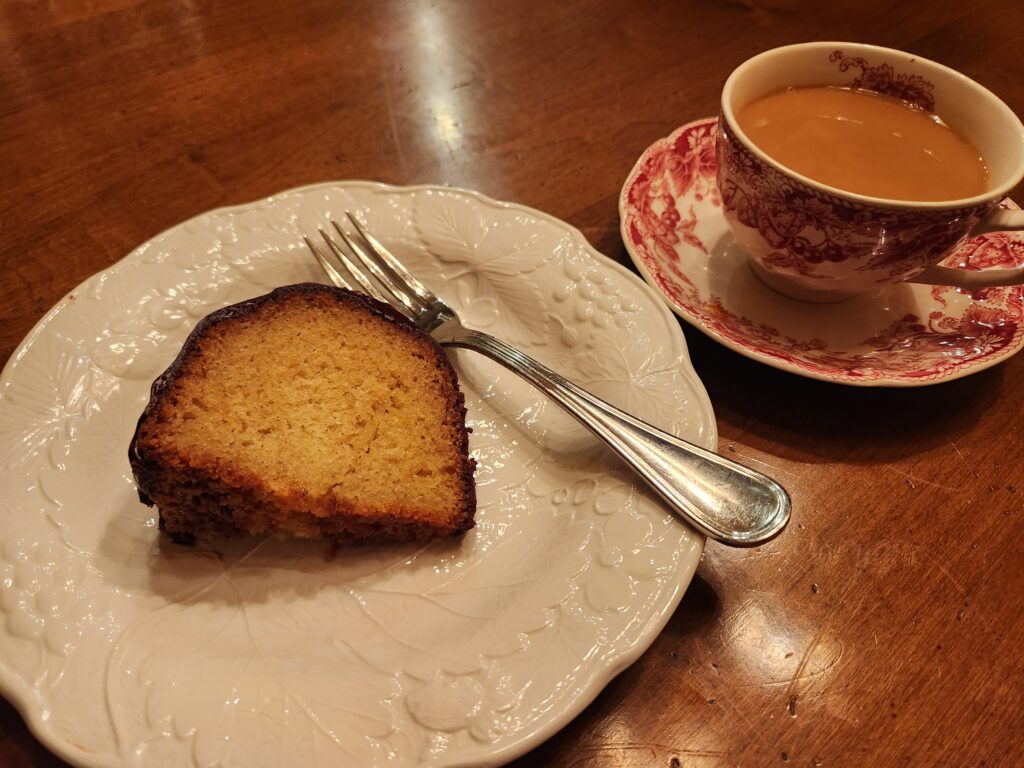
{"x": 969, "y": 108}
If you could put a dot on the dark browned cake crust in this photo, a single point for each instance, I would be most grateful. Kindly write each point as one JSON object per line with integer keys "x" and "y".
{"x": 313, "y": 412}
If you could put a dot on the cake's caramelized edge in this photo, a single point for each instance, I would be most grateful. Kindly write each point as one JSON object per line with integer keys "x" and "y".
{"x": 456, "y": 408}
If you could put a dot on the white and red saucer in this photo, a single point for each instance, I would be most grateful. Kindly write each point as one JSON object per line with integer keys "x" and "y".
{"x": 902, "y": 336}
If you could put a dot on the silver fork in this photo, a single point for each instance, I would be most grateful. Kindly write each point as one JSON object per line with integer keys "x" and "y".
{"x": 725, "y": 500}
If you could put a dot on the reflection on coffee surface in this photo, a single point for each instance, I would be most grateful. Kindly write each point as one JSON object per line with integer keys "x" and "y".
{"x": 864, "y": 142}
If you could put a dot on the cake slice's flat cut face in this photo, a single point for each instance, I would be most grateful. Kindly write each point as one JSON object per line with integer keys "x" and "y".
{"x": 318, "y": 405}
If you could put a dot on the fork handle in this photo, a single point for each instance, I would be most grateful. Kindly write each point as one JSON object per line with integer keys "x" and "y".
{"x": 724, "y": 500}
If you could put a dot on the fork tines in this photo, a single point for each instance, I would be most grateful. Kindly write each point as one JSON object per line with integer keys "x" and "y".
{"x": 372, "y": 267}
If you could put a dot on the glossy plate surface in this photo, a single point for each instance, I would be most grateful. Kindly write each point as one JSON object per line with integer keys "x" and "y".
{"x": 121, "y": 649}
{"x": 904, "y": 335}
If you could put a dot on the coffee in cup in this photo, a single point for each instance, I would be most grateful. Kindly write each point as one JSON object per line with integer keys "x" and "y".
{"x": 865, "y": 142}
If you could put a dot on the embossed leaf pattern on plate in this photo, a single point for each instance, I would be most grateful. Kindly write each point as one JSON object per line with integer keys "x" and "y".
{"x": 491, "y": 260}
{"x": 123, "y": 649}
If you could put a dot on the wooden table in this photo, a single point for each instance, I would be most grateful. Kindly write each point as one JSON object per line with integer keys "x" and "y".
{"x": 883, "y": 628}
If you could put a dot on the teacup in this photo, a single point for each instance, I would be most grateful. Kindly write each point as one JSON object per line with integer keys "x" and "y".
{"x": 819, "y": 243}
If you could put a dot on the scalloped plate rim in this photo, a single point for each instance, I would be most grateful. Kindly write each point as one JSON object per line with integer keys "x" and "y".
{"x": 21, "y": 696}
{"x": 761, "y": 357}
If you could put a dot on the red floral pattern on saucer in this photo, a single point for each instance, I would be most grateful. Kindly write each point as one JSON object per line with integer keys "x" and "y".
{"x": 905, "y": 335}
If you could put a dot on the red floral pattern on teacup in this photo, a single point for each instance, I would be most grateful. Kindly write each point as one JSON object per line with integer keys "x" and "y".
{"x": 671, "y": 179}
{"x": 998, "y": 250}
{"x": 883, "y": 78}
{"x": 812, "y": 237}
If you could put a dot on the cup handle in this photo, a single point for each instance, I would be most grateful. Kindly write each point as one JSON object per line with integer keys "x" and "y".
{"x": 998, "y": 220}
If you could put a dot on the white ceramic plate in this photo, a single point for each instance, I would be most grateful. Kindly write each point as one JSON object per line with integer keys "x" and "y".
{"x": 121, "y": 649}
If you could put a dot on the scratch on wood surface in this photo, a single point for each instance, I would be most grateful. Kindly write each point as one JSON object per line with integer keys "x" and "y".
{"x": 915, "y": 480}
{"x": 744, "y": 586}
{"x": 800, "y": 673}
{"x": 893, "y": 555}
{"x": 956, "y": 449}
{"x": 991, "y": 566}
{"x": 978, "y": 614}
{"x": 754, "y": 732}
{"x": 585, "y": 755}
{"x": 395, "y": 137}
{"x": 775, "y": 468}
{"x": 937, "y": 562}
{"x": 759, "y": 553}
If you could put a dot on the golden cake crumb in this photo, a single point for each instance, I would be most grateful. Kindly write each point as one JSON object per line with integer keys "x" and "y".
{"x": 312, "y": 412}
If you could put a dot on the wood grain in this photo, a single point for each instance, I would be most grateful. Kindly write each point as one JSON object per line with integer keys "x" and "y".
{"x": 882, "y": 627}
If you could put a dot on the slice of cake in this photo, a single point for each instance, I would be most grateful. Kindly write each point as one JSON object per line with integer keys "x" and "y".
{"x": 312, "y": 412}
